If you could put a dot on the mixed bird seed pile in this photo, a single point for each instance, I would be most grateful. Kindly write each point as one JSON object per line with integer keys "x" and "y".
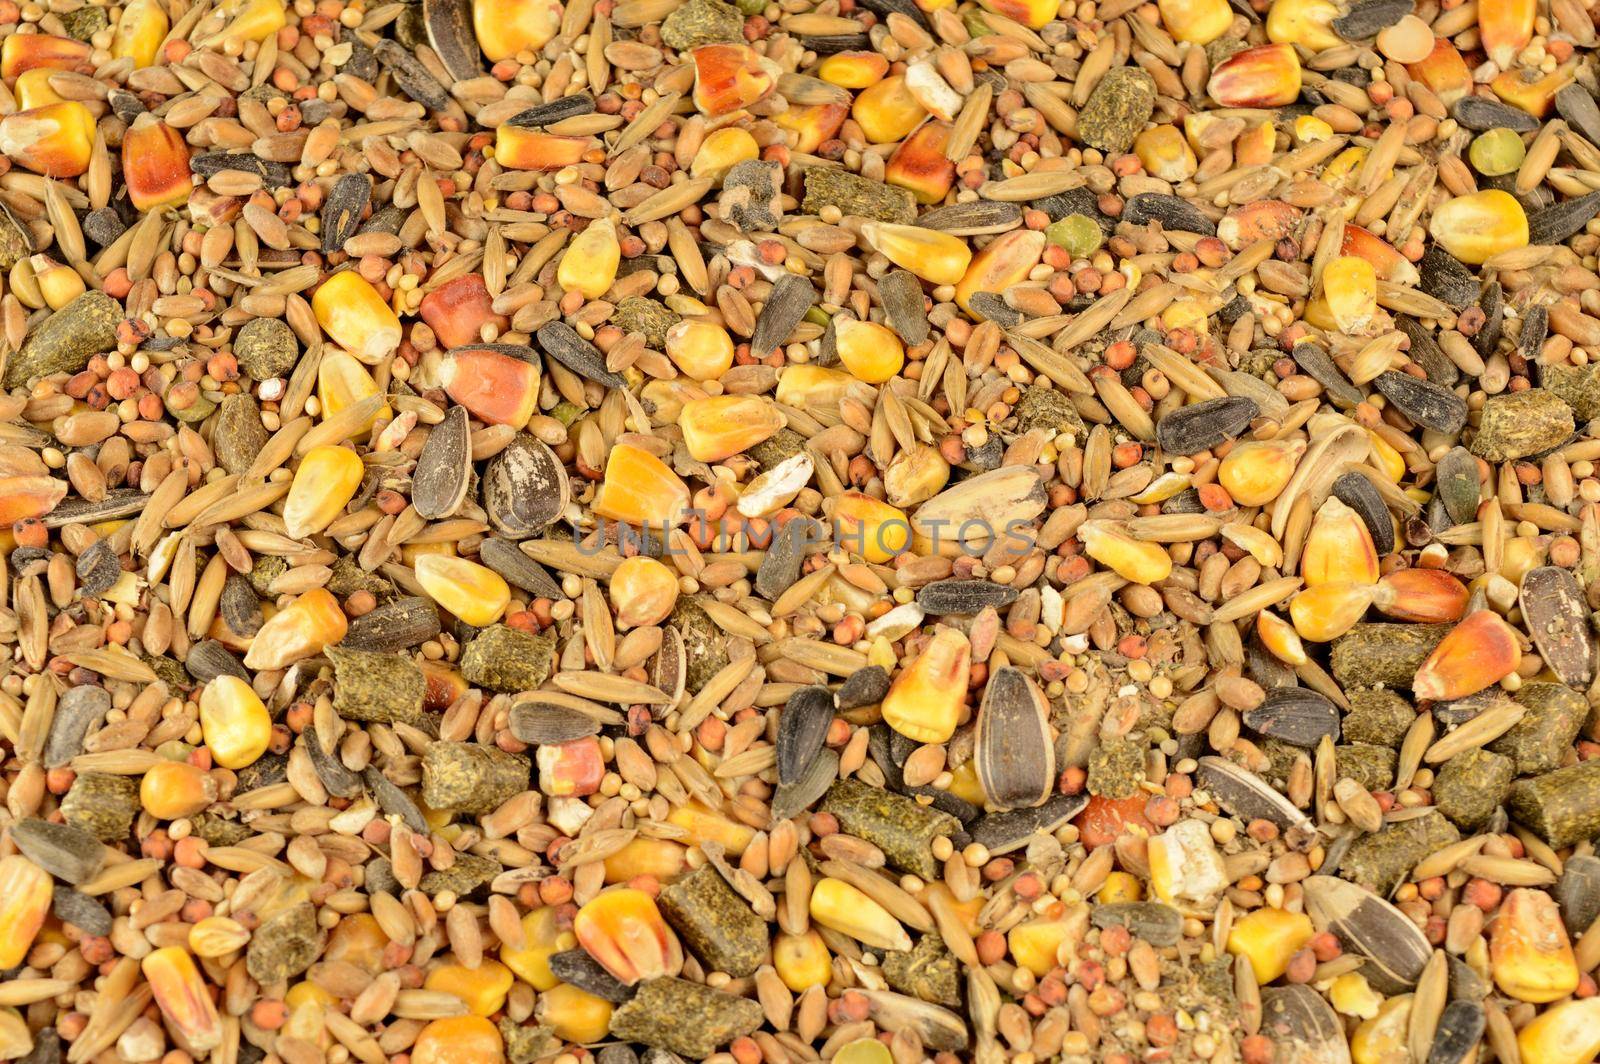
{"x": 853, "y": 530}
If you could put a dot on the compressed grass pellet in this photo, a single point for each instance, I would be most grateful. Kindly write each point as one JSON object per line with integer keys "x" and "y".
{"x": 1382, "y": 861}
{"x": 470, "y": 778}
{"x": 506, "y": 659}
{"x": 852, "y": 194}
{"x": 376, "y": 686}
{"x": 1377, "y": 716}
{"x": 900, "y": 827}
{"x": 285, "y": 945}
{"x": 1116, "y": 768}
{"x": 1518, "y": 424}
{"x": 1370, "y": 765}
{"x": 67, "y": 339}
{"x": 686, "y": 1018}
{"x": 929, "y": 971}
{"x": 1540, "y": 740}
{"x": 1370, "y": 655}
{"x": 1561, "y": 807}
{"x": 1470, "y": 787}
{"x": 715, "y": 923}
{"x": 102, "y": 805}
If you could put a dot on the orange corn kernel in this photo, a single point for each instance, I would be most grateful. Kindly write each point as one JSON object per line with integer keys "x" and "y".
{"x": 183, "y": 997}
{"x": 1444, "y": 72}
{"x": 919, "y": 163}
{"x": 1323, "y": 613}
{"x": 26, "y": 892}
{"x": 1034, "y": 14}
{"x": 702, "y": 350}
{"x": 624, "y": 931}
{"x": 646, "y": 857}
{"x": 1006, "y": 261}
{"x": 155, "y": 164}
{"x": 495, "y": 387}
{"x": 1280, "y": 638}
{"x": 730, "y": 77}
{"x": 29, "y": 496}
{"x": 925, "y": 699}
{"x": 571, "y": 769}
{"x": 722, "y": 426}
{"x": 54, "y": 140}
{"x": 1477, "y": 653}
{"x": 1529, "y": 951}
{"x": 887, "y": 112}
{"x": 350, "y": 311}
{"x": 458, "y": 311}
{"x": 305, "y": 627}
{"x": 21, "y": 52}
{"x": 853, "y": 70}
{"x": 33, "y": 89}
{"x": 639, "y": 489}
{"x": 174, "y": 789}
{"x": 1505, "y": 27}
{"x": 1267, "y": 75}
{"x": 1423, "y": 596}
{"x": 1253, "y": 222}
{"x": 459, "y": 1040}
{"x": 869, "y": 527}
{"x": 724, "y": 149}
{"x": 1526, "y": 91}
{"x": 813, "y": 123}
{"x": 506, "y": 27}
{"x": 516, "y": 148}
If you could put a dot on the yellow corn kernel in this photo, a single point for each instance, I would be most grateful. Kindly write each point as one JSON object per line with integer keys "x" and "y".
{"x": 705, "y": 825}
{"x": 1166, "y": 486}
{"x": 574, "y": 1015}
{"x": 1185, "y": 864}
{"x": 964, "y": 784}
{"x": 1006, "y": 261}
{"x": 802, "y": 961}
{"x": 342, "y": 382}
{"x": 171, "y": 790}
{"x": 482, "y": 989}
{"x": 1323, "y": 613}
{"x": 1164, "y": 153}
{"x": 646, "y": 857}
{"x": 155, "y": 164}
{"x": 1120, "y": 887}
{"x": 722, "y": 150}
{"x": 887, "y": 112}
{"x": 1308, "y": 23}
{"x": 916, "y": 475}
{"x": 1196, "y": 21}
{"x": 1269, "y": 937}
{"x": 39, "y": 281}
{"x": 475, "y": 593}
{"x": 306, "y": 626}
{"x": 506, "y": 27}
{"x": 1382, "y": 1039}
{"x": 1350, "y": 285}
{"x": 921, "y": 163}
{"x": 925, "y": 699}
{"x": 518, "y": 148}
{"x": 624, "y": 932}
{"x": 936, "y": 257}
{"x": 590, "y": 264}
{"x": 1343, "y": 166}
{"x": 810, "y": 387}
{"x": 253, "y": 20}
{"x": 183, "y": 998}
{"x": 236, "y": 725}
{"x": 1037, "y": 945}
{"x": 1568, "y": 1033}
{"x": 26, "y": 892}
{"x": 1479, "y": 225}
{"x": 643, "y": 592}
{"x": 459, "y": 1040}
{"x": 1530, "y": 955}
{"x": 724, "y": 426}
{"x": 16, "y": 1038}
{"x": 54, "y": 140}
{"x": 871, "y": 352}
{"x": 1280, "y": 638}
{"x": 1034, "y": 14}
{"x": 1525, "y": 91}
{"x": 350, "y": 311}
{"x": 1389, "y": 461}
{"x": 1132, "y": 559}
{"x": 853, "y": 70}
{"x": 812, "y": 124}
{"x": 217, "y": 936}
{"x": 33, "y": 88}
{"x": 541, "y": 937}
{"x": 307, "y": 1001}
{"x": 869, "y": 527}
{"x": 323, "y": 486}
{"x": 1267, "y": 75}
{"x": 1505, "y": 27}
{"x": 1309, "y": 129}
{"x": 1476, "y": 654}
{"x": 140, "y": 31}
{"x": 639, "y": 489}
{"x": 1256, "y": 471}
{"x": 837, "y": 905}
{"x": 1351, "y": 995}
{"x": 1339, "y": 548}
{"x": 703, "y": 350}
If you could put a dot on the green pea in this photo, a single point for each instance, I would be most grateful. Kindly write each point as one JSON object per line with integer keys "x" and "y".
{"x": 1081, "y": 236}
{"x": 1497, "y": 152}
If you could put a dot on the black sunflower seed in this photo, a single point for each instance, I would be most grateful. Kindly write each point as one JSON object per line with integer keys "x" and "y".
{"x": 1556, "y": 614}
{"x": 1366, "y": 18}
{"x": 412, "y": 77}
{"x": 903, "y": 305}
{"x": 790, "y": 299}
{"x": 1578, "y": 107}
{"x": 1358, "y": 493}
{"x": 1015, "y": 752}
{"x": 518, "y": 569}
{"x": 1425, "y": 352}
{"x": 1001, "y": 833}
{"x": 1424, "y": 402}
{"x": 1444, "y": 277}
{"x": 347, "y": 200}
{"x": 802, "y": 730}
{"x": 1319, "y": 367}
{"x": 444, "y": 468}
{"x": 1172, "y": 212}
{"x": 524, "y": 488}
{"x": 1481, "y": 113}
{"x": 973, "y": 219}
{"x": 558, "y": 110}
{"x": 399, "y": 625}
{"x": 561, "y": 342}
{"x": 1460, "y": 1029}
{"x": 1456, "y": 484}
{"x": 1493, "y": 303}
{"x": 544, "y": 722}
{"x": 1295, "y": 715}
{"x": 1559, "y": 221}
{"x": 1201, "y": 426}
{"x": 964, "y": 596}
{"x": 449, "y": 26}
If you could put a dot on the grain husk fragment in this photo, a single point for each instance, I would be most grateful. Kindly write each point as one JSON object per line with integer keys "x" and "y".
{"x": 1470, "y": 786}
{"x": 503, "y": 658}
{"x": 1384, "y": 654}
{"x": 1381, "y": 862}
{"x": 376, "y": 686}
{"x": 67, "y": 339}
{"x": 470, "y": 778}
{"x": 1118, "y": 109}
{"x": 1518, "y": 424}
{"x": 717, "y": 924}
{"x": 901, "y": 828}
{"x": 686, "y": 1018}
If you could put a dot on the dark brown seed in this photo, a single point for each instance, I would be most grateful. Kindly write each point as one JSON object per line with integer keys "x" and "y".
{"x": 1481, "y": 113}
{"x": 1295, "y": 715}
{"x": 558, "y": 110}
{"x": 66, "y": 852}
{"x": 239, "y": 606}
{"x": 209, "y": 659}
{"x": 1456, "y": 483}
{"x": 562, "y": 343}
{"x": 802, "y": 730}
{"x": 790, "y": 299}
{"x": 518, "y": 569}
{"x": 449, "y": 25}
{"x": 399, "y": 625}
{"x": 542, "y": 722}
{"x": 1015, "y": 752}
{"x": 1493, "y": 304}
{"x": 1002, "y": 833}
{"x": 1201, "y": 426}
{"x": 1424, "y": 402}
{"x": 1366, "y": 18}
{"x": 1172, "y": 212}
{"x": 98, "y": 568}
{"x": 1319, "y": 367}
{"x": 904, "y": 305}
{"x": 1358, "y": 493}
{"x": 780, "y": 567}
{"x": 210, "y": 164}
{"x": 1455, "y": 1040}
{"x": 347, "y": 201}
{"x": 1425, "y": 352}
{"x": 864, "y": 687}
{"x": 80, "y": 708}
{"x": 1557, "y": 222}
{"x": 1367, "y": 925}
{"x": 964, "y": 596}
{"x": 669, "y": 671}
{"x": 978, "y": 218}
{"x": 394, "y": 801}
{"x": 1576, "y": 104}
{"x": 790, "y": 798}
{"x": 524, "y": 487}
{"x": 1247, "y": 796}
{"x": 339, "y": 780}
{"x": 1578, "y": 892}
{"x": 1443, "y": 276}
{"x": 88, "y": 915}
{"x": 124, "y": 502}
{"x": 576, "y": 967}
{"x": 412, "y": 77}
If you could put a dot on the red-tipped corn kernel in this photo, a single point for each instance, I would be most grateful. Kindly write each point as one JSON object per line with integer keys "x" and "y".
{"x": 1005, "y": 262}
{"x": 1444, "y": 72}
{"x": 919, "y": 163}
{"x": 1477, "y": 653}
{"x": 155, "y": 164}
{"x": 185, "y": 1002}
{"x": 495, "y": 387}
{"x": 54, "y": 140}
{"x": 624, "y": 931}
{"x": 926, "y": 697}
{"x": 639, "y": 489}
{"x": 1267, "y": 75}
{"x": 458, "y": 311}
{"x": 1034, "y": 14}
{"x": 571, "y": 769}
{"x": 21, "y": 52}
{"x": 1505, "y": 27}
{"x": 305, "y": 627}
{"x": 813, "y": 123}
{"x": 1350, "y": 286}
{"x": 1424, "y": 596}
{"x": 730, "y": 77}
{"x": 1388, "y": 263}
{"x": 516, "y": 148}
{"x": 1262, "y": 220}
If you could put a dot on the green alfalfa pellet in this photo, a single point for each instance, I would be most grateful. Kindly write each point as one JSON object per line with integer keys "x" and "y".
{"x": 503, "y": 658}
{"x": 1382, "y": 861}
{"x": 470, "y": 778}
{"x": 1561, "y": 807}
{"x": 1470, "y": 786}
{"x": 717, "y": 924}
{"x": 1541, "y": 739}
{"x": 102, "y": 804}
{"x": 67, "y": 339}
{"x": 1387, "y": 655}
{"x": 376, "y": 686}
{"x": 897, "y": 825}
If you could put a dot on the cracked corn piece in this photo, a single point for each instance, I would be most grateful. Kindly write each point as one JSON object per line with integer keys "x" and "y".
{"x": 1530, "y": 955}
{"x": 1185, "y": 864}
{"x": 459, "y": 1040}
{"x": 639, "y": 489}
{"x": 1269, "y": 937}
{"x": 506, "y": 27}
{"x": 926, "y": 697}
{"x": 343, "y": 382}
